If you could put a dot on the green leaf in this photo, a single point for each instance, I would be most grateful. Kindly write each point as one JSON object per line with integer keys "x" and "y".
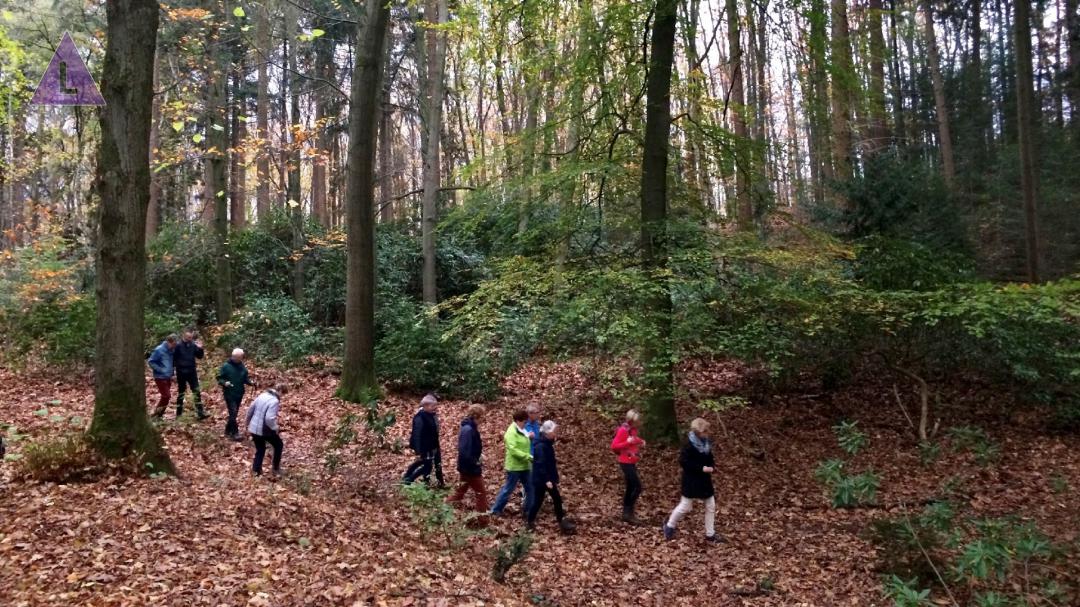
{"x": 13, "y": 457}
{"x": 178, "y": 126}
{"x": 55, "y": 402}
{"x": 41, "y": 412}
{"x": 304, "y": 542}
{"x": 8, "y": 15}
{"x": 238, "y": 12}
{"x": 315, "y": 33}
{"x": 217, "y": 127}
{"x": 245, "y": 28}
{"x": 197, "y": 137}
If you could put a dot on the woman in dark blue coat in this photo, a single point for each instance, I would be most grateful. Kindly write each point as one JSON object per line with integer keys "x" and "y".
{"x": 545, "y": 478}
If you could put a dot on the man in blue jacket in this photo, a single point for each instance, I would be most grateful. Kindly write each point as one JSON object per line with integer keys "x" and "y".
{"x": 161, "y": 363}
{"x": 424, "y": 441}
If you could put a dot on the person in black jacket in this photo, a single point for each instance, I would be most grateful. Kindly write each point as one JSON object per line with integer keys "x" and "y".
{"x": 470, "y": 452}
{"x": 696, "y": 460}
{"x": 424, "y": 441}
{"x": 185, "y": 358}
{"x": 545, "y": 478}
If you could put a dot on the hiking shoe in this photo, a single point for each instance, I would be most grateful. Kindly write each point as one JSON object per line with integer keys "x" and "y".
{"x": 669, "y": 532}
{"x": 715, "y": 539}
{"x": 201, "y": 416}
{"x": 629, "y": 518}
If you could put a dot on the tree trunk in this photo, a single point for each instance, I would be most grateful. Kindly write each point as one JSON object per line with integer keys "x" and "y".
{"x": 1072, "y": 85}
{"x": 217, "y": 138}
{"x": 262, "y": 116}
{"x": 737, "y": 107}
{"x": 358, "y": 381}
{"x": 295, "y": 201}
{"x": 1025, "y": 106}
{"x": 817, "y": 100}
{"x": 153, "y": 212}
{"x": 435, "y": 11}
{"x": 120, "y": 427}
{"x": 878, "y": 133}
{"x": 660, "y": 405}
{"x": 941, "y": 108}
{"x": 237, "y": 193}
{"x": 843, "y": 78}
{"x": 324, "y": 69}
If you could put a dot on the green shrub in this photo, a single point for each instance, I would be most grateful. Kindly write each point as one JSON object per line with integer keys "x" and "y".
{"x": 274, "y": 329}
{"x": 509, "y": 553}
{"x": 429, "y": 509}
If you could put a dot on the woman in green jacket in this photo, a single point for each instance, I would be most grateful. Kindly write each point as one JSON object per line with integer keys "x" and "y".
{"x": 518, "y": 464}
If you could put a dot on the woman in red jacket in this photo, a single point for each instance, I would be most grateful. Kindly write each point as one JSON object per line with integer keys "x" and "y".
{"x": 627, "y": 445}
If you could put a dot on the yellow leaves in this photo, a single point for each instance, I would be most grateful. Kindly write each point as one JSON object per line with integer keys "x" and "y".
{"x": 190, "y": 14}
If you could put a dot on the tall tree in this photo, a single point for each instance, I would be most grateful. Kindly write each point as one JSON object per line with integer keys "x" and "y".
{"x": 941, "y": 107}
{"x": 262, "y": 113}
{"x": 153, "y": 212}
{"x": 358, "y": 381}
{"x": 660, "y": 405}
{"x": 435, "y": 12}
{"x": 1025, "y": 116}
{"x": 878, "y": 132}
{"x": 290, "y": 82}
{"x": 1072, "y": 29}
{"x": 843, "y": 87}
{"x": 120, "y": 427}
{"x": 817, "y": 95}
{"x": 216, "y": 155}
{"x": 744, "y": 209}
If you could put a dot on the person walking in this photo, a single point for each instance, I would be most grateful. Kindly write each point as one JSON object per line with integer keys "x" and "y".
{"x": 185, "y": 358}
{"x": 233, "y": 378}
{"x": 262, "y": 424}
{"x": 469, "y": 462}
{"x": 627, "y": 445}
{"x": 424, "y": 441}
{"x": 161, "y": 364}
{"x": 518, "y": 463}
{"x": 545, "y": 479}
{"x": 696, "y": 460}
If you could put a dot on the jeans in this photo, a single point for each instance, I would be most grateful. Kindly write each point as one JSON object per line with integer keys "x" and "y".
{"x": 512, "y": 480}
{"x": 234, "y": 409}
{"x": 476, "y": 483}
{"x": 188, "y": 378}
{"x": 539, "y": 493}
{"x": 271, "y": 437}
{"x": 633, "y": 487}
{"x": 686, "y": 505}
{"x": 164, "y": 387}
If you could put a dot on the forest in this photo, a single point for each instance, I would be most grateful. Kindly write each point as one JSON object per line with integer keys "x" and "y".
{"x": 824, "y": 255}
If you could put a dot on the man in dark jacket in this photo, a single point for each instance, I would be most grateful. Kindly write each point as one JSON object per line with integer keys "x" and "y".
{"x": 470, "y": 453}
{"x": 232, "y": 378}
{"x": 424, "y": 441}
{"x": 185, "y": 358}
{"x": 545, "y": 479}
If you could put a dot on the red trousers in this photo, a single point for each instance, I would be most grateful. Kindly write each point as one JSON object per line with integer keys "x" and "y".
{"x": 164, "y": 387}
{"x": 476, "y": 483}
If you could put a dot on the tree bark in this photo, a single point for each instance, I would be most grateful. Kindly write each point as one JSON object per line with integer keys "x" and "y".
{"x": 120, "y": 427}
{"x": 744, "y": 208}
{"x": 878, "y": 133}
{"x": 217, "y": 138}
{"x": 941, "y": 108}
{"x": 843, "y": 77}
{"x": 1025, "y": 105}
{"x": 238, "y": 132}
{"x": 660, "y": 405}
{"x": 817, "y": 101}
{"x": 358, "y": 381}
{"x": 153, "y": 212}
{"x": 435, "y": 12}
{"x": 262, "y": 116}
{"x": 295, "y": 201}
{"x": 1072, "y": 26}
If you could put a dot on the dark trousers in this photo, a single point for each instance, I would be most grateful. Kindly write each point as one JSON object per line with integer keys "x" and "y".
{"x": 633, "y": 486}
{"x": 539, "y": 493}
{"x": 188, "y": 378}
{"x": 233, "y": 405}
{"x": 271, "y": 437}
{"x": 164, "y": 387}
{"x": 422, "y": 468}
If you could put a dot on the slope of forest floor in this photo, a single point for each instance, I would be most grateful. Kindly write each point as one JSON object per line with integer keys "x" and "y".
{"x": 215, "y": 536}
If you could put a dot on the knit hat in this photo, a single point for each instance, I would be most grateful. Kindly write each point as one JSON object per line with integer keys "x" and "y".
{"x": 428, "y": 400}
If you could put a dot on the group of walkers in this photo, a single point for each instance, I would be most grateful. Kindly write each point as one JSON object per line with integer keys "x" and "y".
{"x": 530, "y": 461}
{"x": 179, "y": 357}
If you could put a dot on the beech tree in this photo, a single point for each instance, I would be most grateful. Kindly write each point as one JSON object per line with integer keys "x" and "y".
{"x": 120, "y": 426}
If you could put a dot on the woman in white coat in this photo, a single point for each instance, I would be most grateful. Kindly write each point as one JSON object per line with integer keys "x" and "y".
{"x": 262, "y": 423}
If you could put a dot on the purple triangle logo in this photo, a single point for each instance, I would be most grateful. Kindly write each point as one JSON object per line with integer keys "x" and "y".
{"x": 67, "y": 81}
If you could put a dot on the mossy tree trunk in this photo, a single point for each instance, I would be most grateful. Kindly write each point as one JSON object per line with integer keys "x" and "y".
{"x": 358, "y": 382}
{"x": 120, "y": 427}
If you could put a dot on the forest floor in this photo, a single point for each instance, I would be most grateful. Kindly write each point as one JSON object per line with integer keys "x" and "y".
{"x": 215, "y": 536}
